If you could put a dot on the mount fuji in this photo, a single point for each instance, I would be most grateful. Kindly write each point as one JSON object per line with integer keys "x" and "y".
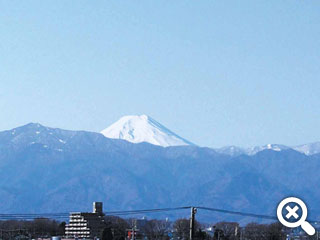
{"x": 142, "y": 128}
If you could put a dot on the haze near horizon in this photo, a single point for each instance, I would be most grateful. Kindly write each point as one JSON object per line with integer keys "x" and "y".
{"x": 215, "y": 73}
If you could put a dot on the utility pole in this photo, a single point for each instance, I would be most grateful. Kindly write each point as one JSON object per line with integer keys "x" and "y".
{"x": 192, "y": 218}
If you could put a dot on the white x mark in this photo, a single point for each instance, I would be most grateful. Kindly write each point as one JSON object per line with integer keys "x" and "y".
{"x": 292, "y": 212}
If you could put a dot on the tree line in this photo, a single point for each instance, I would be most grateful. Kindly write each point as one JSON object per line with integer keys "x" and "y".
{"x": 117, "y": 228}
{"x": 23, "y": 229}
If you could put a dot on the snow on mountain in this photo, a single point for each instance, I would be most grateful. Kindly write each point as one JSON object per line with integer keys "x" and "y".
{"x": 231, "y": 150}
{"x": 142, "y": 128}
{"x": 308, "y": 149}
{"x": 236, "y": 151}
{"x": 274, "y": 147}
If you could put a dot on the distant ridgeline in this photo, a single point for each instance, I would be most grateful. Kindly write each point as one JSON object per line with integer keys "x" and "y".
{"x": 52, "y": 170}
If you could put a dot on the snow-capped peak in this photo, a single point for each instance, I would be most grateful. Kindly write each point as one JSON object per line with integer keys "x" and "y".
{"x": 231, "y": 150}
{"x": 274, "y": 147}
{"x": 308, "y": 149}
{"x": 142, "y": 128}
{"x": 235, "y": 151}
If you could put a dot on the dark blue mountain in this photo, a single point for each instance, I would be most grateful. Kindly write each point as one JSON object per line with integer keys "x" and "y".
{"x": 52, "y": 170}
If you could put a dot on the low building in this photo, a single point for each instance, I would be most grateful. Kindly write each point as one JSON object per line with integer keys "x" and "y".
{"x": 85, "y": 224}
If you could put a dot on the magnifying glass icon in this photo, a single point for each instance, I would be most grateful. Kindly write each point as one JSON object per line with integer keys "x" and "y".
{"x": 292, "y": 213}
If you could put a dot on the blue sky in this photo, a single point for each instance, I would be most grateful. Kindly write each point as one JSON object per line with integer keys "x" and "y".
{"x": 215, "y": 72}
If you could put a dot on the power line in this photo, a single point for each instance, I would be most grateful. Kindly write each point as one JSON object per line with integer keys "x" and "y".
{"x": 110, "y": 213}
{"x": 26, "y": 216}
{"x": 246, "y": 214}
{"x": 239, "y": 213}
{"x": 130, "y": 212}
{"x": 31, "y": 216}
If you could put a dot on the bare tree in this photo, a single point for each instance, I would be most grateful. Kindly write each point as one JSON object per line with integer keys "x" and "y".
{"x": 182, "y": 228}
{"x": 255, "y": 231}
{"x": 157, "y": 229}
{"x": 40, "y": 227}
{"x": 230, "y": 230}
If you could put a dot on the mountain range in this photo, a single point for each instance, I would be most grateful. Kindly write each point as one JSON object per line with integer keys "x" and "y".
{"x": 143, "y": 128}
{"x": 53, "y": 170}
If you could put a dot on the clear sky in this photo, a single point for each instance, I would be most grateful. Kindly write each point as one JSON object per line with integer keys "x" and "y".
{"x": 215, "y": 72}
